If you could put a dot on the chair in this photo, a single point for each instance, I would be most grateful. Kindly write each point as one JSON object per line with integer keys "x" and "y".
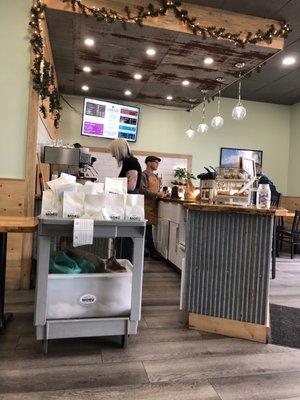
{"x": 275, "y": 202}
{"x": 275, "y": 199}
{"x": 291, "y": 236}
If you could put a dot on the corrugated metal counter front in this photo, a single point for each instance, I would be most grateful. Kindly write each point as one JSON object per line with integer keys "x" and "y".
{"x": 228, "y": 256}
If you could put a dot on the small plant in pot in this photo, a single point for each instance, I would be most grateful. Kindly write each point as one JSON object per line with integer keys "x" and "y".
{"x": 185, "y": 178}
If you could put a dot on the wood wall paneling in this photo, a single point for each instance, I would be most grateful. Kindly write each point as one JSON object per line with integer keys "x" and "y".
{"x": 12, "y": 192}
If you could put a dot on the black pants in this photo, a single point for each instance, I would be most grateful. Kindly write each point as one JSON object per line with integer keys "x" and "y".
{"x": 124, "y": 248}
{"x": 149, "y": 243}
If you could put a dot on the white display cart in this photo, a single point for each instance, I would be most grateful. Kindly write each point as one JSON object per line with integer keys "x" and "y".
{"x": 46, "y": 329}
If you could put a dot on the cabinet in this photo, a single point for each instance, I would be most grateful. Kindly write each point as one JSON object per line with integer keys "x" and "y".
{"x": 162, "y": 237}
{"x": 170, "y": 232}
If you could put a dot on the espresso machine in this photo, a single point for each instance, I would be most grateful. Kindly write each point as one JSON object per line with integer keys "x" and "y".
{"x": 74, "y": 161}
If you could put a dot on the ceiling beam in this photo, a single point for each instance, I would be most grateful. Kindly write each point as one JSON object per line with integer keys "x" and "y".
{"x": 233, "y": 22}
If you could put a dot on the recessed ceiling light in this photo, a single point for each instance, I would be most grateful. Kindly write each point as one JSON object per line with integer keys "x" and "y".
{"x": 127, "y": 92}
{"x": 169, "y": 97}
{"x": 89, "y": 42}
{"x": 185, "y": 82}
{"x": 85, "y": 88}
{"x": 137, "y": 76}
{"x": 289, "y": 60}
{"x": 208, "y": 60}
{"x": 151, "y": 52}
{"x": 86, "y": 68}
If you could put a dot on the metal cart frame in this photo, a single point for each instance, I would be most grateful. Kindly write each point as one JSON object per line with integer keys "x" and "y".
{"x": 87, "y": 327}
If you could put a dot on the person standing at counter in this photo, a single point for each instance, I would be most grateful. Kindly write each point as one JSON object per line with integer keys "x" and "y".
{"x": 131, "y": 169}
{"x": 150, "y": 187}
{"x": 263, "y": 179}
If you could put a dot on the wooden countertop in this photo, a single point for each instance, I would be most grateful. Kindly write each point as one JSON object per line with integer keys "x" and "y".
{"x": 249, "y": 210}
{"x": 18, "y": 224}
{"x": 192, "y": 205}
{"x": 172, "y": 200}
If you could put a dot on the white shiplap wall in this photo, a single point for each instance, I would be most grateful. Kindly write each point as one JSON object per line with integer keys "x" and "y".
{"x": 106, "y": 166}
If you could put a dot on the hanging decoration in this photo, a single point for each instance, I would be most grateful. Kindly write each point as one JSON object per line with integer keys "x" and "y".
{"x": 190, "y": 133}
{"x": 217, "y": 121}
{"x": 42, "y": 70}
{"x": 239, "y": 112}
{"x": 151, "y": 11}
{"x": 203, "y": 127}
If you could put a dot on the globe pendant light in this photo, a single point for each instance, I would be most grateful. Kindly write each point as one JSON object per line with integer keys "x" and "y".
{"x": 239, "y": 112}
{"x": 203, "y": 127}
{"x": 190, "y": 133}
{"x": 217, "y": 121}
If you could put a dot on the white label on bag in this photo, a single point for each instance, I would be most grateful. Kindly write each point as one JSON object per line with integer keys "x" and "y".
{"x": 87, "y": 299}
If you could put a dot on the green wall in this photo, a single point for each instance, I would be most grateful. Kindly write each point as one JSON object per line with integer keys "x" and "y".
{"x": 14, "y": 80}
{"x": 294, "y": 161}
{"x": 266, "y": 128}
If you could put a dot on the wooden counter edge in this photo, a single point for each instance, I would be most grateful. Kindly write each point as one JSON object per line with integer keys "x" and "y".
{"x": 227, "y": 208}
{"x": 229, "y": 327}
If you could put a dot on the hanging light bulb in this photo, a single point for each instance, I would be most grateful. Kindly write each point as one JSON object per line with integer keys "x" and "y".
{"x": 190, "y": 133}
{"x": 203, "y": 127}
{"x": 217, "y": 121}
{"x": 239, "y": 112}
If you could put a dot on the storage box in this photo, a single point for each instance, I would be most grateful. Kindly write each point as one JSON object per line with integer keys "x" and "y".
{"x": 90, "y": 295}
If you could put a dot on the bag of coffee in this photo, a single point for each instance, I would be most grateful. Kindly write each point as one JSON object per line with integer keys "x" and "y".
{"x": 93, "y": 205}
{"x": 73, "y": 204}
{"x": 51, "y": 206}
{"x": 134, "y": 210}
{"x": 114, "y": 206}
{"x": 115, "y": 186}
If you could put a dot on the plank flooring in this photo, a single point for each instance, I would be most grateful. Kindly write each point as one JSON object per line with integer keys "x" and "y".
{"x": 164, "y": 361}
{"x": 285, "y": 303}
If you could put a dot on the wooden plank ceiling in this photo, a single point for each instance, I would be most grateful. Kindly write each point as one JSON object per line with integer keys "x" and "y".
{"x": 118, "y": 54}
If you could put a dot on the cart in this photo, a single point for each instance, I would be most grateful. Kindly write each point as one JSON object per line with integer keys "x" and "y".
{"x": 47, "y": 329}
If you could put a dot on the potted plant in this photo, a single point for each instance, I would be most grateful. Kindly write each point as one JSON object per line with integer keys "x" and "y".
{"x": 185, "y": 178}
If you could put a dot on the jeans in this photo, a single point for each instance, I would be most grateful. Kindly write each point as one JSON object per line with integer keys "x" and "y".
{"x": 149, "y": 243}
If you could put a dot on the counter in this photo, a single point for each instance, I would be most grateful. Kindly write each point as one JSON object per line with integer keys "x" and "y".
{"x": 227, "y": 266}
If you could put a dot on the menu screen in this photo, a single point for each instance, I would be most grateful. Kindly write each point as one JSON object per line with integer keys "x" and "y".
{"x": 109, "y": 120}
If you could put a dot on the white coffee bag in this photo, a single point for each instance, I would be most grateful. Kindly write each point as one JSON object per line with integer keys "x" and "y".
{"x": 73, "y": 203}
{"x": 115, "y": 206}
{"x": 93, "y": 205}
{"x": 135, "y": 210}
{"x": 115, "y": 186}
{"x": 51, "y": 206}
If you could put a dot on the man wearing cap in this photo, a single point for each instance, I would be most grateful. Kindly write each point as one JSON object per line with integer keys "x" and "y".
{"x": 151, "y": 190}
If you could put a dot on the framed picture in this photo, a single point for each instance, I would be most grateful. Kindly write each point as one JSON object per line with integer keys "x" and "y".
{"x": 229, "y": 157}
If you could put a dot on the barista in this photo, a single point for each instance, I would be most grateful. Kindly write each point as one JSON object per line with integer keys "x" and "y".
{"x": 263, "y": 179}
{"x": 150, "y": 187}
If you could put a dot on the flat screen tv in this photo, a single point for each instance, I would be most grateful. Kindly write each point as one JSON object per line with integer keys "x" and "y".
{"x": 229, "y": 157}
{"x": 103, "y": 119}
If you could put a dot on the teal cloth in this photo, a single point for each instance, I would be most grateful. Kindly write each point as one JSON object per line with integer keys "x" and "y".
{"x": 61, "y": 263}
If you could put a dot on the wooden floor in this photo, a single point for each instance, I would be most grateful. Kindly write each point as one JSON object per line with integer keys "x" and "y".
{"x": 164, "y": 361}
{"x": 285, "y": 289}
{"x": 285, "y": 303}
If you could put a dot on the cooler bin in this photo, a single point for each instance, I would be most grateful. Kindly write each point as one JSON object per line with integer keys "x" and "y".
{"x": 90, "y": 295}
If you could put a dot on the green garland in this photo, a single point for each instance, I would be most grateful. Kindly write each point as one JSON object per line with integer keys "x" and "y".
{"x": 111, "y": 16}
{"x": 42, "y": 70}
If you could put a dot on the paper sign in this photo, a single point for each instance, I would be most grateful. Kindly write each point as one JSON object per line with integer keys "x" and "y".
{"x": 83, "y": 232}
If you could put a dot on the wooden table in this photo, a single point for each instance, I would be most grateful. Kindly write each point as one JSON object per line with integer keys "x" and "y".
{"x": 283, "y": 212}
{"x": 10, "y": 224}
